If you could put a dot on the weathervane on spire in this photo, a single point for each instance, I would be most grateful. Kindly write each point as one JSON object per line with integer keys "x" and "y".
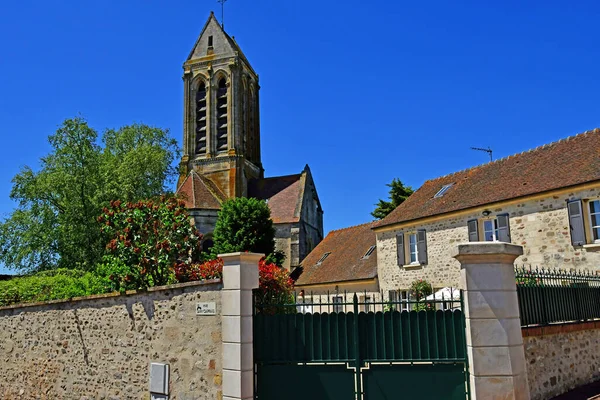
{"x": 222, "y": 12}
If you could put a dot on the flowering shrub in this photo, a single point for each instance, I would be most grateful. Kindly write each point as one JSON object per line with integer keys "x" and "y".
{"x": 147, "y": 242}
{"x": 212, "y": 269}
{"x": 275, "y": 284}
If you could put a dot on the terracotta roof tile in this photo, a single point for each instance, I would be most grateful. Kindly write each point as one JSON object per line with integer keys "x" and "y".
{"x": 571, "y": 161}
{"x": 282, "y": 194}
{"x": 345, "y": 263}
{"x": 200, "y": 192}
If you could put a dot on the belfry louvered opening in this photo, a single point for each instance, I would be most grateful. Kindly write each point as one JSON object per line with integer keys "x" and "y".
{"x": 222, "y": 116}
{"x": 201, "y": 119}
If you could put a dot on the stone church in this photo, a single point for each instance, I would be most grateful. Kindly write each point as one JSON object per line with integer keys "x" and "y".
{"x": 221, "y": 148}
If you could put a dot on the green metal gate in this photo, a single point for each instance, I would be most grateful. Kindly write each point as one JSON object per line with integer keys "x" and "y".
{"x": 361, "y": 350}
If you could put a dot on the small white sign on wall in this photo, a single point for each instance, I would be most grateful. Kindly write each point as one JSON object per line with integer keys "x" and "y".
{"x": 206, "y": 308}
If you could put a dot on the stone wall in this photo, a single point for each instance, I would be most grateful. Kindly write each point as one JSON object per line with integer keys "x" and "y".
{"x": 561, "y": 357}
{"x": 541, "y": 226}
{"x": 101, "y": 347}
{"x": 204, "y": 220}
{"x": 284, "y": 242}
{"x": 310, "y": 231}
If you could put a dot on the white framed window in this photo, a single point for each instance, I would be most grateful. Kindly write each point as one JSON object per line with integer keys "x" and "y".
{"x": 594, "y": 207}
{"x": 584, "y": 221}
{"x": 338, "y": 305}
{"x": 490, "y": 230}
{"x": 404, "y": 300}
{"x": 393, "y": 300}
{"x": 367, "y": 303}
{"x": 413, "y": 248}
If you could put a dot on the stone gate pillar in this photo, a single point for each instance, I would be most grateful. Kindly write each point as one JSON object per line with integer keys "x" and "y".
{"x": 494, "y": 339}
{"x": 240, "y": 276}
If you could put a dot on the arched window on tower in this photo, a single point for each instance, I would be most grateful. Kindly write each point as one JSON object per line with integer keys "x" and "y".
{"x": 251, "y": 133}
{"x": 222, "y": 116}
{"x": 244, "y": 118}
{"x": 201, "y": 119}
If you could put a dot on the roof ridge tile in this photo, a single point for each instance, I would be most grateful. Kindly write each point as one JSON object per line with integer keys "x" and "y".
{"x": 540, "y": 147}
{"x": 352, "y": 226}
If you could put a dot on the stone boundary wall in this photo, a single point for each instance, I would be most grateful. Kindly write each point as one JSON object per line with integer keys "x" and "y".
{"x": 561, "y": 357}
{"x": 100, "y": 347}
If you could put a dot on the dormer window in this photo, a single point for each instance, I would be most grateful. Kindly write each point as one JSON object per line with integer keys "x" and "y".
{"x": 443, "y": 190}
{"x": 370, "y": 251}
{"x": 323, "y": 258}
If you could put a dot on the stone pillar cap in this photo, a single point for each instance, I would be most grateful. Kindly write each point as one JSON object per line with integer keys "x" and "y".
{"x": 487, "y": 249}
{"x": 245, "y": 256}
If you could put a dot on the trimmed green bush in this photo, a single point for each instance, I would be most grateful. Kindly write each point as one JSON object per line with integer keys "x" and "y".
{"x": 57, "y": 284}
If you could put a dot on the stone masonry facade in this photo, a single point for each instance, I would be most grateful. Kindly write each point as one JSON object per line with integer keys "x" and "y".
{"x": 540, "y": 225}
{"x": 101, "y": 347}
{"x": 562, "y": 358}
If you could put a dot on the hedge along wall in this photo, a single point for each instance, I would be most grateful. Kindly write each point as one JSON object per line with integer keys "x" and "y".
{"x": 100, "y": 347}
{"x": 561, "y": 357}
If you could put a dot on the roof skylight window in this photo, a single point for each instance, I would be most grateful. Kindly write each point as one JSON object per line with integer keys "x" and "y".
{"x": 443, "y": 190}
{"x": 369, "y": 252}
{"x": 323, "y": 258}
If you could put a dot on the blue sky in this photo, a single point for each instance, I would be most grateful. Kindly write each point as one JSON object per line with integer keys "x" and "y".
{"x": 361, "y": 91}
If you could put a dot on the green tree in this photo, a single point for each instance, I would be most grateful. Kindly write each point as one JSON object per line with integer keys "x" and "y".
{"x": 244, "y": 224}
{"x": 137, "y": 162}
{"x": 398, "y": 193}
{"x": 54, "y": 223}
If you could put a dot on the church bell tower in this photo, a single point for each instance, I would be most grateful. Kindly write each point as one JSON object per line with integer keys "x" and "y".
{"x": 221, "y": 138}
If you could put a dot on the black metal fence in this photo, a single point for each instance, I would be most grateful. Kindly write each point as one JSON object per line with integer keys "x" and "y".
{"x": 554, "y": 296}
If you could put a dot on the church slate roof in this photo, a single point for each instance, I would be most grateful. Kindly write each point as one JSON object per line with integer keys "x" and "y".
{"x": 568, "y": 162}
{"x": 200, "y": 193}
{"x": 346, "y": 261}
{"x": 283, "y": 195}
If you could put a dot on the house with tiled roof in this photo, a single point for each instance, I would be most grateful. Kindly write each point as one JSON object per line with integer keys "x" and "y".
{"x": 345, "y": 261}
{"x": 221, "y": 148}
{"x": 546, "y": 200}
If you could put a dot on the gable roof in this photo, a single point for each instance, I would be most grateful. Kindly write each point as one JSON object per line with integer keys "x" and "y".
{"x": 571, "y": 161}
{"x": 283, "y": 195}
{"x": 199, "y": 192}
{"x": 229, "y": 45}
{"x": 345, "y": 262}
